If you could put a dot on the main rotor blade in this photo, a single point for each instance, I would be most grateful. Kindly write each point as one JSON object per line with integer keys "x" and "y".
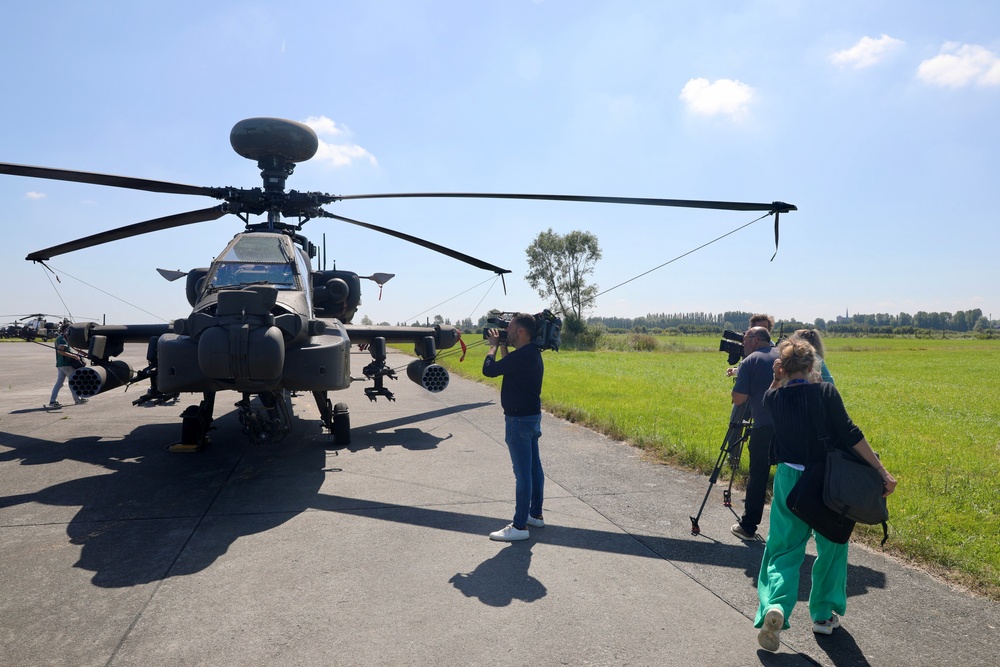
{"x": 155, "y": 225}
{"x": 777, "y": 206}
{"x": 108, "y": 179}
{"x": 462, "y": 257}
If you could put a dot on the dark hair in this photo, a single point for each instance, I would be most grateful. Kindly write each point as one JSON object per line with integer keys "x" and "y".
{"x": 526, "y": 322}
{"x": 762, "y": 320}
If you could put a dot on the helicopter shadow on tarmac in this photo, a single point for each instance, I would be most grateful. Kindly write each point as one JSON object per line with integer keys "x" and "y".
{"x": 146, "y": 514}
{"x": 139, "y": 505}
{"x": 378, "y": 436}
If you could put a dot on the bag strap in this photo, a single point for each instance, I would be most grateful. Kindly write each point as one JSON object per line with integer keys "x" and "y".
{"x": 819, "y": 424}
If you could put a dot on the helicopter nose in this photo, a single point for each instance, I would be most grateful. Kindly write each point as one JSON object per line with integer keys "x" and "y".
{"x": 244, "y": 344}
{"x": 242, "y": 352}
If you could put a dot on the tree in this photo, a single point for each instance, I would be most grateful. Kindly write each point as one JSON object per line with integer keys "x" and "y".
{"x": 558, "y": 267}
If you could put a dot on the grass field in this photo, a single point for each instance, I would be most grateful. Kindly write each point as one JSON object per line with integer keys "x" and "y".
{"x": 929, "y": 407}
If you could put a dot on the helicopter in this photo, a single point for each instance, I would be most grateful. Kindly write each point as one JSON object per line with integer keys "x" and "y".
{"x": 32, "y": 326}
{"x": 264, "y": 322}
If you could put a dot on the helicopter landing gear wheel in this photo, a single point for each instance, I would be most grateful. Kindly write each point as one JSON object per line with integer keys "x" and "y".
{"x": 341, "y": 425}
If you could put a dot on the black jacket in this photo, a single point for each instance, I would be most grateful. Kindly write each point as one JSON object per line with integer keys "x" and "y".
{"x": 795, "y": 437}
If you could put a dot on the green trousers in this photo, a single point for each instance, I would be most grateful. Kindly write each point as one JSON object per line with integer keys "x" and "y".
{"x": 778, "y": 582}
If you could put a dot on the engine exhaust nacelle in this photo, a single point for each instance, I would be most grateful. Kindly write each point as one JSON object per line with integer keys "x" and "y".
{"x": 92, "y": 380}
{"x": 430, "y": 376}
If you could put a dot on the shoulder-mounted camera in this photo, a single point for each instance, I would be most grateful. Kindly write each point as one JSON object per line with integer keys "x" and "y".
{"x": 732, "y": 342}
{"x": 548, "y": 327}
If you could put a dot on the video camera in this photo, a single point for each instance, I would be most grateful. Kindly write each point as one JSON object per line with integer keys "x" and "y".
{"x": 732, "y": 342}
{"x": 548, "y": 327}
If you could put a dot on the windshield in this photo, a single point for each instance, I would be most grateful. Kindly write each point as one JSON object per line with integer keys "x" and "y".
{"x": 255, "y": 259}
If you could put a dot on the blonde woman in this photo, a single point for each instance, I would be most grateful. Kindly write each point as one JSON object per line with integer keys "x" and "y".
{"x": 812, "y": 337}
{"x": 797, "y": 446}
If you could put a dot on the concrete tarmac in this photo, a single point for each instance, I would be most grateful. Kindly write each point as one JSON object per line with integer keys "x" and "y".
{"x": 116, "y": 553}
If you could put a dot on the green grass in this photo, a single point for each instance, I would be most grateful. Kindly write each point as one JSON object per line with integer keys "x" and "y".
{"x": 928, "y": 406}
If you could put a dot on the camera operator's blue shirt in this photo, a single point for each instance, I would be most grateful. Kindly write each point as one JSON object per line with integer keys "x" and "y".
{"x": 754, "y": 378}
{"x": 521, "y": 388}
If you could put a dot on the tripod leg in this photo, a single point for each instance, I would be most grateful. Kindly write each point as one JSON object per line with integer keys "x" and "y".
{"x": 734, "y": 460}
{"x": 732, "y": 447}
{"x": 712, "y": 479}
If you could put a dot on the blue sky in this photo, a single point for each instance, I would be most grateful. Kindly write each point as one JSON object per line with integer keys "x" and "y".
{"x": 877, "y": 119}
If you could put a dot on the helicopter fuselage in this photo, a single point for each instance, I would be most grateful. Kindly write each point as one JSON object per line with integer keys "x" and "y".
{"x": 257, "y": 328}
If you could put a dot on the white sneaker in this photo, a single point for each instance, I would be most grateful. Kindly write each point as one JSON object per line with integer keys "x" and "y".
{"x": 536, "y": 523}
{"x": 509, "y": 534}
{"x": 826, "y": 627}
{"x": 769, "y": 635}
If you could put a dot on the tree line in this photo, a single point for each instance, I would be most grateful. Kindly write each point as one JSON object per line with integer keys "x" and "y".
{"x": 560, "y": 265}
{"x": 961, "y": 321}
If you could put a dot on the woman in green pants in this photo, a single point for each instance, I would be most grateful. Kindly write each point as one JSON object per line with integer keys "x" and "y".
{"x": 796, "y": 445}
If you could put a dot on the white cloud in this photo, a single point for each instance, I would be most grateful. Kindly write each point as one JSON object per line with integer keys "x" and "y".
{"x": 866, "y": 52}
{"x": 338, "y": 153}
{"x": 35, "y": 195}
{"x": 960, "y": 65}
{"x": 324, "y": 126}
{"x": 723, "y": 97}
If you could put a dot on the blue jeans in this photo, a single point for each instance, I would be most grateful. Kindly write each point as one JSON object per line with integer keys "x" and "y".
{"x": 521, "y": 436}
{"x": 62, "y": 372}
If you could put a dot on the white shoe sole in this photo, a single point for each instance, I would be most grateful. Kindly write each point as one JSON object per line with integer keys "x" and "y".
{"x": 507, "y": 538}
{"x": 769, "y": 635}
{"x": 826, "y": 628}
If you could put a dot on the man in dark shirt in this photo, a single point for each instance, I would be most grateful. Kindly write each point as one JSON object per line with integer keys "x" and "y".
{"x": 521, "y": 399}
{"x": 753, "y": 379}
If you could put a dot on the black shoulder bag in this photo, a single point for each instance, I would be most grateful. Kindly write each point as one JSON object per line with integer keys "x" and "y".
{"x": 854, "y": 490}
{"x": 806, "y": 499}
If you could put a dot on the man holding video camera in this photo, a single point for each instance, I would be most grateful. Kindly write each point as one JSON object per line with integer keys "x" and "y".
{"x": 753, "y": 379}
{"x": 521, "y": 399}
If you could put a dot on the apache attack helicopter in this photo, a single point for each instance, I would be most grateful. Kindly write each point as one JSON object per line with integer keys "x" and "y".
{"x": 35, "y": 325}
{"x": 263, "y": 321}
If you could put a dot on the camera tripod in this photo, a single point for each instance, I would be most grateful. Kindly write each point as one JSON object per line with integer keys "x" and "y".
{"x": 732, "y": 448}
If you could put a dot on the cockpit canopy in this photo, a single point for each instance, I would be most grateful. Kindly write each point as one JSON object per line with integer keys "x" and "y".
{"x": 258, "y": 259}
